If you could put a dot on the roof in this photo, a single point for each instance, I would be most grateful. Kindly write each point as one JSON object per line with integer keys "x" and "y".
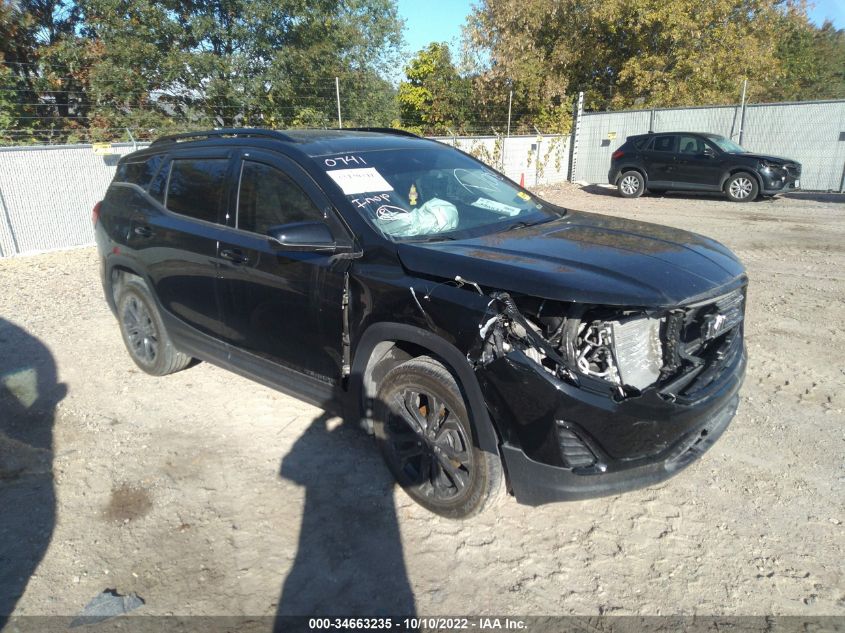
{"x": 664, "y": 132}
{"x": 312, "y": 142}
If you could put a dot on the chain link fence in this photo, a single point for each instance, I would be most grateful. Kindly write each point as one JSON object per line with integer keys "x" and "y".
{"x": 813, "y": 133}
{"x": 47, "y": 193}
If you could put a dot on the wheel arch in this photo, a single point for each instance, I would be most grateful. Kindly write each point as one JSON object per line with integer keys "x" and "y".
{"x": 735, "y": 170}
{"x": 635, "y": 168}
{"x": 118, "y": 269}
{"x": 386, "y": 345}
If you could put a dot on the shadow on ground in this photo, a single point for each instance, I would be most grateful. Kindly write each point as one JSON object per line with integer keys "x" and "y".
{"x": 29, "y": 393}
{"x": 607, "y": 190}
{"x": 349, "y": 558}
{"x": 816, "y": 196}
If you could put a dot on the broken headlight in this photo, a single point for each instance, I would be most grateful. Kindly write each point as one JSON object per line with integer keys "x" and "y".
{"x": 626, "y": 351}
{"x": 621, "y": 348}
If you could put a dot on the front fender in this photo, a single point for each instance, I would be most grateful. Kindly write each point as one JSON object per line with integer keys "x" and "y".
{"x": 485, "y": 433}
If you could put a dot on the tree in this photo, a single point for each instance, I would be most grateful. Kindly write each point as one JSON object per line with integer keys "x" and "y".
{"x": 434, "y": 98}
{"x": 33, "y": 35}
{"x": 623, "y": 53}
{"x": 814, "y": 62}
{"x": 100, "y": 66}
{"x": 240, "y": 62}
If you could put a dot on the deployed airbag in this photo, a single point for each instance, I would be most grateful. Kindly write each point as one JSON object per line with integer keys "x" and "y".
{"x": 435, "y": 216}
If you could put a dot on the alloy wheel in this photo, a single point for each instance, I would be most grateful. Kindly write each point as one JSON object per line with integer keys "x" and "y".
{"x": 741, "y": 188}
{"x": 430, "y": 445}
{"x": 630, "y": 185}
{"x": 140, "y": 330}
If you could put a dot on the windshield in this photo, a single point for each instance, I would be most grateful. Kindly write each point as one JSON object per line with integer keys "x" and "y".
{"x": 432, "y": 193}
{"x": 726, "y": 145}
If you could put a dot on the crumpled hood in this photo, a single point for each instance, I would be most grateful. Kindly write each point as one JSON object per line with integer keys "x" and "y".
{"x": 767, "y": 157}
{"x": 585, "y": 258}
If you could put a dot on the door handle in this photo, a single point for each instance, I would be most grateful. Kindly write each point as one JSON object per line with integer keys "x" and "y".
{"x": 143, "y": 231}
{"x": 235, "y": 256}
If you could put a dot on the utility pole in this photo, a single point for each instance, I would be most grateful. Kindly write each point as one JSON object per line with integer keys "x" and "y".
{"x": 742, "y": 111}
{"x": 508, "y": 135}
{"x": 337, "y": 92}
{"x": 573, "y": 140}
{"x": 510, "y": 103}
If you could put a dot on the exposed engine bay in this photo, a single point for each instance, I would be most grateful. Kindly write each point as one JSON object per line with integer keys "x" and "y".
{"x": 629, "y": 350}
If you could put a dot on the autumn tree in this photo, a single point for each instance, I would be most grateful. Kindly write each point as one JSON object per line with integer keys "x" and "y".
{"x": 625, "y": 53}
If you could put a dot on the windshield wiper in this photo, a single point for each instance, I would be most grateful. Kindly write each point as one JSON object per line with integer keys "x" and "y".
{"x": 519, "y": 225}
{"x": 430, "y": 238}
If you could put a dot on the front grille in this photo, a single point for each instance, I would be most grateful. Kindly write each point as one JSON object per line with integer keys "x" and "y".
{"x": 700, "y": 342}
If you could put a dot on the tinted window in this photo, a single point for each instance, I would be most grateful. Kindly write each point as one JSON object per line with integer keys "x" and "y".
{"x": 664, "y": 144}
{"x": 640, "y": 142}
{"x": 268, "y": 197}
{"x": 196, "y": 187}
{"x": 159, "y": 184}
{"x": 690, "y": 144}
{"x": 138, "y": 173}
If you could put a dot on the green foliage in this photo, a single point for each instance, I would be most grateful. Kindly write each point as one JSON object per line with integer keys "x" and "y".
{"x": 156, "y": 66}
{"x": 625, "y": 53}
{"x": 434, "y": 97}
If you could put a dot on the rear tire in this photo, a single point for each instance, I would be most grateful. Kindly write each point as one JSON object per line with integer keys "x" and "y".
{"x": 423, "y": 429}
{"x": 631, "y": 184}
{"x": 741, "y": 187}
{"x": 143, "y": 332}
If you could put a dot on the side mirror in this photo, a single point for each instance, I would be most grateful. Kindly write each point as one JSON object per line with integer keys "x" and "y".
{"x": 302, "y": 236}
{"x": 709, "y": 152}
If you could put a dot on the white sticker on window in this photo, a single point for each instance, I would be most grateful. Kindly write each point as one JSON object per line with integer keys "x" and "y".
{"x": 362, "y": 180}
{"x": 498, "y": 207}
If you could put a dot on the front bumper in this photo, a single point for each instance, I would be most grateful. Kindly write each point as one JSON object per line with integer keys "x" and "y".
{"x": 780, "y": 181}
{"x": 636, "y": 442}
{"x": 534, "y": 483}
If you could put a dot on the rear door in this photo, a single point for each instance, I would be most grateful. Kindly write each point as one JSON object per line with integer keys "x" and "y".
{"x": 177, "y": 240}
{"x": 281, "y": 306}
{"x": 659, "y": 159}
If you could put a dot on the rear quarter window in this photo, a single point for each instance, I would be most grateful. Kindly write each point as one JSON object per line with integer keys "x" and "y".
{"x": 196, "y": 187}
{"x": 139, "y": 173}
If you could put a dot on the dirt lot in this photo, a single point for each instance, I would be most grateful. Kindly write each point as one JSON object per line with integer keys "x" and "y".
{"x": 207, "y": 494}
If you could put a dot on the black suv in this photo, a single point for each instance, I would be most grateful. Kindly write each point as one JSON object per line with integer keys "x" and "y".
{"x": 690, "y": 161}
{"x": 487, "y": 338}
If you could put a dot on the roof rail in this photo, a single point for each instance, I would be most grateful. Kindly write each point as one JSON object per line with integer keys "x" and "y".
{"x": 383, "y": 130}
{"x": 220, "y": 132}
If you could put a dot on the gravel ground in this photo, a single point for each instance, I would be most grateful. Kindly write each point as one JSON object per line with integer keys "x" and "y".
{"x": 207, "y": 494}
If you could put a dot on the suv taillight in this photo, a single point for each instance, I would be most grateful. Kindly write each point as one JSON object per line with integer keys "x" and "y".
{"x": 95, "y": 214}
{"x": 617, "y": 154}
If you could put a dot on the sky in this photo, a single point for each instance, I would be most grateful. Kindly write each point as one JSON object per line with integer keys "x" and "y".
{"x": 429, "y": 21}
{"x": 831, "y": 9}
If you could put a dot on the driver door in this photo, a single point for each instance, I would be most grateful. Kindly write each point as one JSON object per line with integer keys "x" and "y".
{"x": 699, "y": 165}
{"x": 281, "y": 307}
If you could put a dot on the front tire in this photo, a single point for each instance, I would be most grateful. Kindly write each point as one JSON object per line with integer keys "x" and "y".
{"x": 423, "y": 429}
{"x": 741, "y": 187}
{"x": 143, "y": 332}
{"x": 631, "y": 184}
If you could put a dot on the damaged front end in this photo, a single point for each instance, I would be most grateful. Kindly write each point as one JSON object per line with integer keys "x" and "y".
{"x": 598, "y": 390}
